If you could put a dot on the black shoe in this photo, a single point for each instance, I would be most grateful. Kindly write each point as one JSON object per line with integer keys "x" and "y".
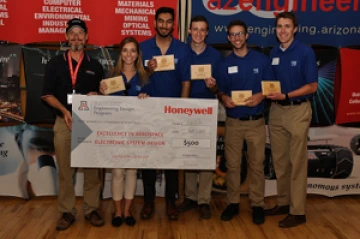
{"x": 292, "y": 221}
{"x": 230, "y": 211}
{"x": 147, "y": 211}
{"x": 94, "y": 218}
{"x": 187, "y": 205}
{"x": 277, "y": 210}
{"x": 258, "y": 215}
{"x": 171, "y": 210}
{"x": 130, "y": 221}
{"x": 204, "y": 210}
{"x": 116, "y": 221}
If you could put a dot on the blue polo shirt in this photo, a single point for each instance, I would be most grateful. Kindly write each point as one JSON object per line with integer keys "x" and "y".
{"x": 244, "y": 73}
{"x": 294, "y": 67}
{"x": 165, "y": 83}
{"x": 209, "y": 56}
{"x": 135, "y": 86}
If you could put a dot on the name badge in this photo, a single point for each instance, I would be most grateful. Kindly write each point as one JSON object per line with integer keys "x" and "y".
{"x": 275, "y": 61}
{"x": 232, "y": 69}
{"x": 69, "y": 99}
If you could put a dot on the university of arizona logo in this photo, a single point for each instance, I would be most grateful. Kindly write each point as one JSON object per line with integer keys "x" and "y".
{"x": 83, "y": 106}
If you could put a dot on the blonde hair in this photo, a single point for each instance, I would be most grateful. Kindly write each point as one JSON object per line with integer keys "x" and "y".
{"x": 138, "y": 62}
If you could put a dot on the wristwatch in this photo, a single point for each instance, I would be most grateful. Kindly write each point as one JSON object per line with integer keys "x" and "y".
{"x": 287, "y": 97}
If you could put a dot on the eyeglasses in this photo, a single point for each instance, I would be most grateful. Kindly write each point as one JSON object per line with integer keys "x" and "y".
{"x": 234, "y": 34}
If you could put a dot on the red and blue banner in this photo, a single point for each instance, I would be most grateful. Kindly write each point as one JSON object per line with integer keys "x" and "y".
{"x": 108, "y": 22}
{"x": 323, "y": 22}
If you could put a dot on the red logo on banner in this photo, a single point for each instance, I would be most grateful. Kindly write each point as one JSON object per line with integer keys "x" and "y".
{"x": 188, "y": 111}
{"x": 347, "y": 87}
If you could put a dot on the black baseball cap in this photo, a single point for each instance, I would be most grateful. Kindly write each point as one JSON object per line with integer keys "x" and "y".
{"x": 76, "y": 22}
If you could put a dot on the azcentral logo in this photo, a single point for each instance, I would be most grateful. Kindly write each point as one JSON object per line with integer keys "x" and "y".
{"x": 188, "y": 111}
{"x": 270, "y": 8}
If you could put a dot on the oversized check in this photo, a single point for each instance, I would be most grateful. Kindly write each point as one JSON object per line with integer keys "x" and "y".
{"x": 126, "y": 132}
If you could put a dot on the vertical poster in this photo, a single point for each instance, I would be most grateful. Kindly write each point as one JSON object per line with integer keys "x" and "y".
{"x": 347, "y": 87}
{"x": 323, "y": 100}
{"x": 9, "y": 83}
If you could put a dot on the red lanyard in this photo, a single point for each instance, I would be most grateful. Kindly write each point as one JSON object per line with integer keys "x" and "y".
{"x": 72, "y": 73}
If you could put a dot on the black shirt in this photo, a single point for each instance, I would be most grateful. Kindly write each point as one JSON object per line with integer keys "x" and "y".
{"x": 57, "y": 79}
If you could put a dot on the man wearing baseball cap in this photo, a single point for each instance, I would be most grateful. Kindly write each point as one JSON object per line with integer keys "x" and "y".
{"x": 76, "y": 27}
{"x": 75, "y": 22}
{"x": 72, "y": 72}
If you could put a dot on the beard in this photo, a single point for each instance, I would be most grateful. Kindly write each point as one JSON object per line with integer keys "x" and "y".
{"x": 76, "y": 47}
{"x": 163, "y": 35}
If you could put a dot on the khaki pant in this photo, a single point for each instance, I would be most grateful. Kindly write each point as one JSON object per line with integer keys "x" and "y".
{"x": 289, "y": 126}
{"x": 123, "y": 180}
{"x": 253, "y": 131}
{"x": 203, "y": 193}
{"x": 92, "y": 183}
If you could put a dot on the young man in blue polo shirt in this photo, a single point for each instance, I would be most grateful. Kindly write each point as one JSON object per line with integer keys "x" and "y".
{"x": 163, "y": 84}
{"x": 243, "y": 70}
{"x": 294, "y": 65}
{"x": 200, "y": 54}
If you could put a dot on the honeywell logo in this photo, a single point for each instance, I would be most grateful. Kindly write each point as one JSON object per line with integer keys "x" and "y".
{"x": 188, "y": 111}
{"x": 270, "y": 8}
